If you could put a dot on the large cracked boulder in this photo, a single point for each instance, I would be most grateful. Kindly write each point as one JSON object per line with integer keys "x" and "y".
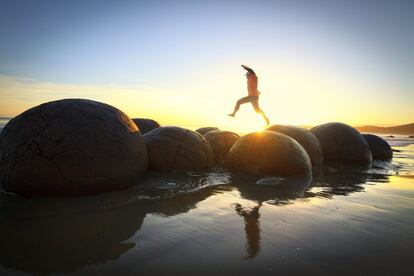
{"x": 380, "y": 148}
{"x": 304, "y": 137}
{"x": 269, "y": 153}
{"x": 70, "y": 147}
{"x": 145, "y": 125}
{"x": 177, "y": 149}
{"x": 204, "y": 130}
{"x": 342, "y": 143}
{"x": 221, "y": 142}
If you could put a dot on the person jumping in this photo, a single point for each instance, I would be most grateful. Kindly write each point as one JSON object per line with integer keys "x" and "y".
{"x": 253, "y": 94}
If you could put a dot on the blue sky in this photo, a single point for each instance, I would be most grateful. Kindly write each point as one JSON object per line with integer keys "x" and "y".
{"x": 181, "y": 46}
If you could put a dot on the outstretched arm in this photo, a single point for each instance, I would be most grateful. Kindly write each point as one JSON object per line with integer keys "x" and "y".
{"x": 250, "y": 70}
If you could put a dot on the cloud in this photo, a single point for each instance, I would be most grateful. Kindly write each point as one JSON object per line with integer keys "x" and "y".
{"x": 19, "y": 94}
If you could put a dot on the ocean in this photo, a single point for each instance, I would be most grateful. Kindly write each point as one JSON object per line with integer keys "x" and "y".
{"x": 344, "y": 221}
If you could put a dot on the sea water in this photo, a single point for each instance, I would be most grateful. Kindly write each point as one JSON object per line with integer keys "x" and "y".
{"x": 344, "y": 221}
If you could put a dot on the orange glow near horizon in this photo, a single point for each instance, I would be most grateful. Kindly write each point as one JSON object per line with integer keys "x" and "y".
{"x": 291, "y": 94}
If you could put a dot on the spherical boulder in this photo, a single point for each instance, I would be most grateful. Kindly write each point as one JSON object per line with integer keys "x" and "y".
{"x": 177, "y": 149}
{"x": 380, "y": 148}
{"x": 70, "y": 147}
{"x": 221, "y": 142}
{"x": 269, "y": 153}
{"x": 342, "y": 143}
{"x": 304, "y": 137}
{"x": 144, "y": 125}
{"x": 204, "y": 130}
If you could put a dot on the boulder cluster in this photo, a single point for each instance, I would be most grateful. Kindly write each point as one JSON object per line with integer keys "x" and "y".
{"x": 80, "y": 147}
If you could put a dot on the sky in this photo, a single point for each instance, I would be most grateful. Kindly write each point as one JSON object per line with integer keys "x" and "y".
{"x": 178, "y": 62}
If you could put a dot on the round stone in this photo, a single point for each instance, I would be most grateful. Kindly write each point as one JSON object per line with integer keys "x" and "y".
{"x": 70, "y": 147}
{"x": 304, "y": 137}
{"x": 204, "y": 130}
{"x": 145, "y": 125}
{"x": 342, "y": 143}
{"x": 221, "y": 142}
{"x": 269, "y": 153}
{"x": 380, "y": 148}
{"x": 177, "y": 149}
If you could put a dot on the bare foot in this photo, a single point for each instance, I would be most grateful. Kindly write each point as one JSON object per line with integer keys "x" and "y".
{"x": 231, "y": 115}
{"x": 267, "y": 121}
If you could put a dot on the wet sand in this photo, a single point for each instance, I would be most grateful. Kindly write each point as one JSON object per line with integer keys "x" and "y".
{"x": 346, "y": 221}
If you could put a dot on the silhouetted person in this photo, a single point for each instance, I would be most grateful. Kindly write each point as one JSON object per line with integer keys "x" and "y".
{"x": 253, "y": 94}
{"x": 251, "y": 227}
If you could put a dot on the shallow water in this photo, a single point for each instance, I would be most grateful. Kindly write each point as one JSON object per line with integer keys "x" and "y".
{"x": 346, "y": 221}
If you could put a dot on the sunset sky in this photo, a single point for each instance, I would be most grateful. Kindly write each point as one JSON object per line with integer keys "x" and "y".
{"x": 179, "y": 61}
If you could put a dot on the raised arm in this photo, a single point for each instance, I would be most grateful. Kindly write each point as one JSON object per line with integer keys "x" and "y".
{"x": 250, "y": 70}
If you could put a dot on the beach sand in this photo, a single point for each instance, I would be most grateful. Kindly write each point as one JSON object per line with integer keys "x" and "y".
{"x": 343, "y": 222}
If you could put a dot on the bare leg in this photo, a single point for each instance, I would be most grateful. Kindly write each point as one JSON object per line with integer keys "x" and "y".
{"x": 238, "y": 103}
{"x": 256, "y": 107}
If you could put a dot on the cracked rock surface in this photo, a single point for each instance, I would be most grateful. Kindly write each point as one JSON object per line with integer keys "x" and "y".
{"x": 304, "y": 137}
{"x": 205, "y": 130}
{"x": 177, "y": 149}
{"x": 380, "y": 148}
{"x": 269, "y": 153}
{"x": 221, "y": 142}
{"x": 145, "y": 125}
{"x": 342, "y": 143}
{"x": 70, "y": 147}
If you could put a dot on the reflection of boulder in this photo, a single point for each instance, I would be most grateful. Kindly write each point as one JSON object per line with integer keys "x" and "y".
{"x": 380, "y": 149}
{"x": 204, "y": 130}
{"x": 180, "y": 203}
{"x": 344, "y": 179}
{"x": 42, "y": 236}
{"x": 304, "y": 137}
{"x": 48, "y": 236}
{"x": 339, "y": 180}
{"x": 221, "y": 143}
{"x": 175, "y": 148}
{"x": 159, "y": 185}
{"x": 330, "y": 180}
{"x": 278, "y": 190}
{"x": 145, "y": 125}
{"x": 71, "y": 147}
{"x": 269, "y": 153}
{"x": 342, "y": 143}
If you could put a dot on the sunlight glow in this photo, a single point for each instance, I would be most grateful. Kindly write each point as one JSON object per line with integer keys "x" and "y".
{"x": 292, "y": 93}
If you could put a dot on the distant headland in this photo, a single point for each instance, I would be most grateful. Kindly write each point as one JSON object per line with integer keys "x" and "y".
{"x": 407, "y": 129}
